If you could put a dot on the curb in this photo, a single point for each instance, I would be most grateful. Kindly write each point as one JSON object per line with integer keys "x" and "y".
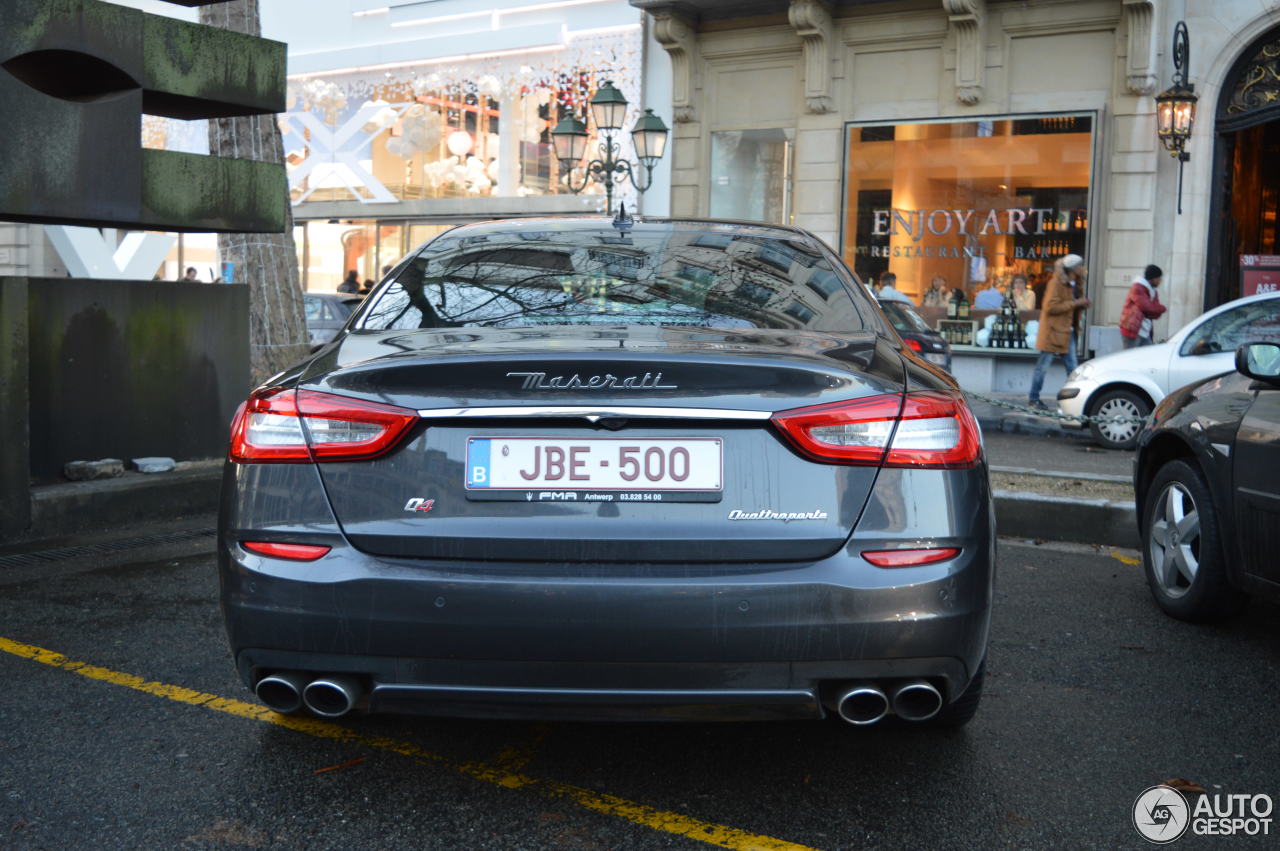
{"x": 1112, "y": 523}
{"x": 74, "y": 508}
{"x": 1032, "y": 425}
{"x": 85, "y": 507}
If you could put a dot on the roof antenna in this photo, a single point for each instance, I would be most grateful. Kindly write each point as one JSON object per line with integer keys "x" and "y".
{"x": 622, "y": 221}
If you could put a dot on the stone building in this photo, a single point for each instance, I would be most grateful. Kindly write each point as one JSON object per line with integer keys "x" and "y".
{"x": 974, "y": 139}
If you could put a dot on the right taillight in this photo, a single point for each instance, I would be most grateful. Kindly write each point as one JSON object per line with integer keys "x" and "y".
{"x": 928, "y": 429}
{"x": 283, "y": 425}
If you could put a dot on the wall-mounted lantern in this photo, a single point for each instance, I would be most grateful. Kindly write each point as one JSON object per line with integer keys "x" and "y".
{"x": 1176, "y": 105}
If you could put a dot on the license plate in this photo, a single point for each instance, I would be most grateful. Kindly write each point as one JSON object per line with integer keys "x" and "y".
{"x": 595, "y": 469}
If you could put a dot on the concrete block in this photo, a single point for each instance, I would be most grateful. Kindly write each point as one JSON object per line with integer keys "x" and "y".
{"x": 153, "y": 464}
{"x": 87, "y": 471}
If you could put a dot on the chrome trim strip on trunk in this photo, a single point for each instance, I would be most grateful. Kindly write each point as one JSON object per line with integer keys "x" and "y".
{"x": 595, "y": 412}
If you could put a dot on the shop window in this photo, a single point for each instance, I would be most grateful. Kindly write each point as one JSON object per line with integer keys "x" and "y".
{"x": 751, "y": 175}
{"x": 970, "y": 202}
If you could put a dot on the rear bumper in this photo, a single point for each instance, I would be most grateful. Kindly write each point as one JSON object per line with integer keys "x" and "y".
{"x": 429, "y": 638}
{"x": 616, "y": 639}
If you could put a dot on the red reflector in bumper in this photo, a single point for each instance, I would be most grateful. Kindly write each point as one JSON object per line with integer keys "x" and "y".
{"x": 909, "y": 558}
{"x": 294, "y": 552}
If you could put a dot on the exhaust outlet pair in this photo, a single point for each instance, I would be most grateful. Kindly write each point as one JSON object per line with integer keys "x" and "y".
{"x": 289, "y": 691}
{"x": 866, "y": 703}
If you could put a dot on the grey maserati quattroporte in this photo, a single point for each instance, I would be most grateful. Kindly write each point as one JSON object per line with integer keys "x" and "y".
{"x": 639, "y": 469}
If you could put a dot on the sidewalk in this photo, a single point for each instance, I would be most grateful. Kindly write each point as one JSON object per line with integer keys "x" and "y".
{"x": 1061, "y": 490}
{"x": 993, "y": 419}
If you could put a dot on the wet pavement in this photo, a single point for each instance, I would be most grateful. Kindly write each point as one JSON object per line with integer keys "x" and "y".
{"x": 139, "y": 735}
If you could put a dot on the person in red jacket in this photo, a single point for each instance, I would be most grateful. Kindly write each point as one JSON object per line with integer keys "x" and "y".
{"x": 1141, "y": 307}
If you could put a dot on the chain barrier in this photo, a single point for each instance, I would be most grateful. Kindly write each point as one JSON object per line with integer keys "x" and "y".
{"x": 1052, "y": 414}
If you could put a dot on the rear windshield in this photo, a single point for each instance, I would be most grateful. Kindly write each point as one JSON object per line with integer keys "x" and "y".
{"x": 720, "y": 276}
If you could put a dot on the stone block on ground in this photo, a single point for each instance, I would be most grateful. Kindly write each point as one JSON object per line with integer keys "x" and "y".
{"x": 84, "y": 471}
{"x": 153, "y": 464}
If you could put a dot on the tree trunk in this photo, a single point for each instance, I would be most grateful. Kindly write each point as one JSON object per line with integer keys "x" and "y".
{"x": 268, "y": 263}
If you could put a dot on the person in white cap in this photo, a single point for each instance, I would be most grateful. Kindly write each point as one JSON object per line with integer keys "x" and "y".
{"x": 1064, "y": 303}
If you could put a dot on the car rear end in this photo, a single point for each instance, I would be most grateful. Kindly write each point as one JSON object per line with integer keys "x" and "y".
{"x": 580, "y": 519}
{"x": 916, "y": 333}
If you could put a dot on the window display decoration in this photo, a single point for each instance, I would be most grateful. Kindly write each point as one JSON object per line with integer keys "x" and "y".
{"x": 382, "y": 137}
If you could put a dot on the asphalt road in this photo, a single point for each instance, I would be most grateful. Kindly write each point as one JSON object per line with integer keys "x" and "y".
{"x": 1093, "y": 695}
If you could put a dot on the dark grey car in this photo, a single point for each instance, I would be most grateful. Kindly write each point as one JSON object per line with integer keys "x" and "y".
{"x": 326, "y": 314}
{"x": 563, "y": 468}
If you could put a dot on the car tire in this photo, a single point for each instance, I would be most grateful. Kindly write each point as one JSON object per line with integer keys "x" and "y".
{"x": 961, "y": 710}
{"x": 1117, "y": 403}
{"x": 1182, "y": 550}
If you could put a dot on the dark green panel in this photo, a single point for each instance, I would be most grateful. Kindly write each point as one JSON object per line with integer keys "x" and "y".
{"x": 194, "y": 71}
{"x": 15, "y": 504}
{"x": 213, "y": 193}
{"x": 123, "y": 369}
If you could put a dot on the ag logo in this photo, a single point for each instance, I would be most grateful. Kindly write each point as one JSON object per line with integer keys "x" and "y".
{"x": 1161, "y": 814}
{"x": 420, "y": 504}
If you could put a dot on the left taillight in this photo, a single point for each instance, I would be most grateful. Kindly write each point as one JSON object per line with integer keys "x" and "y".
{"x": 283, "y": 425}
{"x": 927, "y": 429}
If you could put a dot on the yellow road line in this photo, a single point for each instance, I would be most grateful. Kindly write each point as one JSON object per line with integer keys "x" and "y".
{"x": 516, "y": 756}
{"x": 651, "y": 817}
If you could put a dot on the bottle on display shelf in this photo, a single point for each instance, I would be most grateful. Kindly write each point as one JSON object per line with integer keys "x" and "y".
{"x": 962, "y": 309}
{"x": 953, "y": 304}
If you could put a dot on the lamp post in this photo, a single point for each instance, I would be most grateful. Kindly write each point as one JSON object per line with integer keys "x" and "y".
{"x": 609, "y": 110}
{"x": 1176, "y": 105}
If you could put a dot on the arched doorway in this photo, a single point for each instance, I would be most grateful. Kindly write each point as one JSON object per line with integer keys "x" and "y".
{"x": 1246, "y": 179}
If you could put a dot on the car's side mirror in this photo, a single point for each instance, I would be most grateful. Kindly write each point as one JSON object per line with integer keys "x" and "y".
{"x": 1260, "y": 361}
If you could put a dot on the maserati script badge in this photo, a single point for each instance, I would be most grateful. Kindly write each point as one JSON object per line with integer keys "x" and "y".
{"x": 540, "y": 381}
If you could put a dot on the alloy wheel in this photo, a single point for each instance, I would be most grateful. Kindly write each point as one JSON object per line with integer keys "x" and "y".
{"x": 1174, "y": 540}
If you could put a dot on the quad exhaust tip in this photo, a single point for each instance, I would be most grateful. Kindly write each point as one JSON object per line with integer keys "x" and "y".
{"x": 861, "y": 704}
{"x": 331, "y": 697}
{"x": 916, "y": 700}
{"x": 281, "y": 691}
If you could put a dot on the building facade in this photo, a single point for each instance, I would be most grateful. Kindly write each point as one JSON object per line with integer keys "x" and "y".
{"x": 970, "y": 140}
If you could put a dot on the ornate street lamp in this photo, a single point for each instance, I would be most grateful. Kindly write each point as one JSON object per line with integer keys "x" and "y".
{"x": 1176, "y": 105}
{"x": 609, "y": 110}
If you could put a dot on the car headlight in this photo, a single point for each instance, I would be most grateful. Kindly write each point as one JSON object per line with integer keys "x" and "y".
{"x": 1081, "y": 372}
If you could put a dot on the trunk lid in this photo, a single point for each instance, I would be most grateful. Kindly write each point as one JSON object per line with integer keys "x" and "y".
{"x": 602, "y": 390}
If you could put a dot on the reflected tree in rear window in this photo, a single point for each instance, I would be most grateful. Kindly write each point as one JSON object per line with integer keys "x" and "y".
{"x": 652, "y": 274}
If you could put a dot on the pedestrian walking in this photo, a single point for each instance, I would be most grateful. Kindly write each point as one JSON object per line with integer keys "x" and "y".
{"x": 351, "y": 284}
{"x": 888, "y": 290}
{"x": 1064, "y": 303}
{"x": 1141, "y": 308}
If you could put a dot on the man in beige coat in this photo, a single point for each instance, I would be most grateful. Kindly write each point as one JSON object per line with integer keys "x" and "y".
{"x": 1064, "y": 304}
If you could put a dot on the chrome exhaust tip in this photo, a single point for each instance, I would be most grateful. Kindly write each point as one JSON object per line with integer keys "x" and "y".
{"x": 917, "y": 700}
{"x": 331, "y": 697}
{"x": 861, "y": 704}
{"x": 281, "y": 691}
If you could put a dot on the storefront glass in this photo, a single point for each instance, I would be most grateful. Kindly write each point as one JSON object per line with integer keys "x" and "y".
{"x": 328, "y": 250}
{"x": 475, "y": 128}
{"x": 967, "y": 204}
{"x": 751, "y": 175}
